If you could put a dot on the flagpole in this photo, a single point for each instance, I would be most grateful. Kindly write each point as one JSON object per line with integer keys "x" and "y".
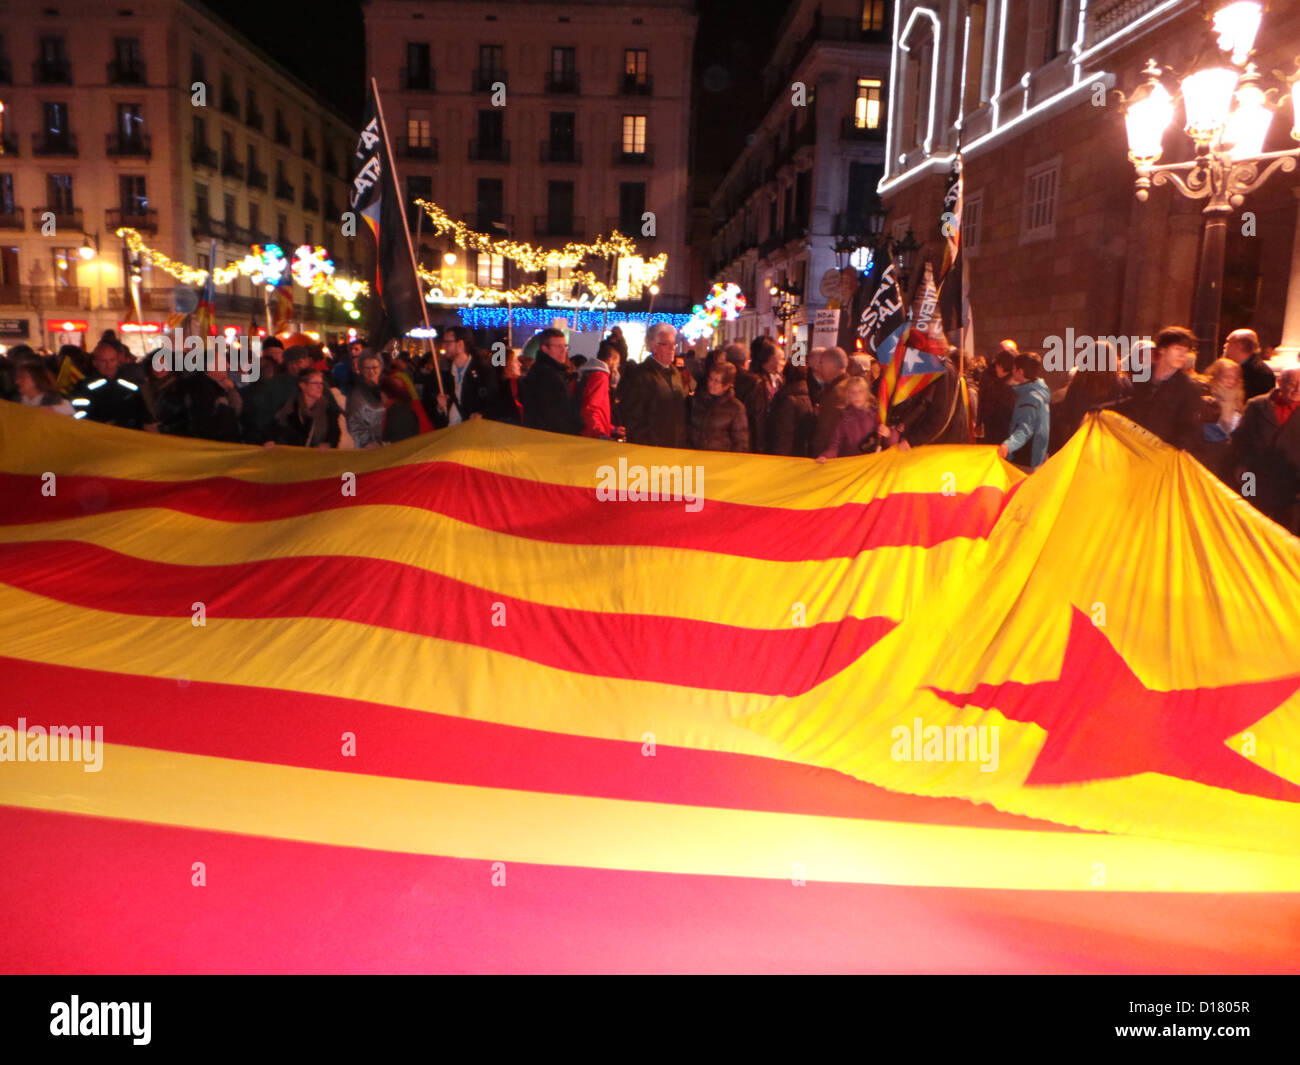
{"x": 406, "y": 228}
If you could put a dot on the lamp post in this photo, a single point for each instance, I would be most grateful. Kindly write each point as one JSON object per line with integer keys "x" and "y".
{"x": 784, "y": 310}
{"x": 904, "y": 250}
{"x": 1227, "y": 116}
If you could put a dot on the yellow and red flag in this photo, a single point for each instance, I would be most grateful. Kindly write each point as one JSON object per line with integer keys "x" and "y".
{"x": 472, "y": 702}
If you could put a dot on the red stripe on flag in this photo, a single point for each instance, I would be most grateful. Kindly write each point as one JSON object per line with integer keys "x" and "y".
{"x": 539, "y": 511}
{"x": 390, "y": 595}
{"x": 117, "y": 897}
{"x": 230, "y": 721}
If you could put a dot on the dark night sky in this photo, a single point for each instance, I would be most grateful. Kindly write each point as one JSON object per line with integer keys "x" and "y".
{"x": 324, "y": 47}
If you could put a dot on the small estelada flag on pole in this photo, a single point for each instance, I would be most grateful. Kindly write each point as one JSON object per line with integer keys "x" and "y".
{"x": 207, "y": 310}
{"x": 375, "y": 196}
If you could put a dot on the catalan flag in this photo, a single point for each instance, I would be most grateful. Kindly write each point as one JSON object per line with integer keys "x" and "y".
{"x": 496, "y": 700}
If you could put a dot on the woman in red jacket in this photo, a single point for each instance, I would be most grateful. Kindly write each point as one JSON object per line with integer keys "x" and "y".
{"x": 594, "y": 386}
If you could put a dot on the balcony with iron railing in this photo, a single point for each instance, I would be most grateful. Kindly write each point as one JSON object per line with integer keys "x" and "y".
{"x": 131, "y": 72}
{"x": 52, "y": 72}
{"x": 770, "y": 244}
{"x": 65, "y": 296}
{"x": 204, "y": 225}
{"x": 331, "y": 209}
{"x": 47, "y": 143}
{"x": 417, "y": 79}
{"x": 645, "y": 157}
{"x": 426, "y": 148}
{"x": 489, "y": 151}
{"x": 546, "y": 225}
{"x": 232, "y": 168}
{"x": 139, "y": 146}
{"x": 561, "y": 152}
{"x": 283, "y": 190}
{"x": 562, "y": 82}
{"x": 484, "y": 79}
{"x": 151, "y": 299}
{"x": 308, "y": 150}
{"x": 144, "y": 219}
{"x": 629, "y": 226}
{"x": 12, "y": 218}
{"x": 230, "y": 106}
{"x": 283, "y": 137}
{"x": 257, "y": 179}
{"x": 202, "y": 155}
{"x": 310, "y": 202}
{"x": 1108, "y": 17}
{"x": 10, "y": 144}
{"x": 6, "y": 72}
{"x": 832, "y": 29}
{"x": 636, "y": 85}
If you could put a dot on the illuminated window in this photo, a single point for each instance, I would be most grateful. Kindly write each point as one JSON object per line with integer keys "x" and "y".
{"x": 491, "y": 271}
{"x": 419, "y": 129}
{"x": 873, "y": 15}
{"x": 634, "y": 134}
{"x": 636, "y": 64}
{"x": 866, "y": 109}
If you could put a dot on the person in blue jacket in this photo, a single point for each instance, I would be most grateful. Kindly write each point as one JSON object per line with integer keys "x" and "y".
{"x": 1031, "y": 418}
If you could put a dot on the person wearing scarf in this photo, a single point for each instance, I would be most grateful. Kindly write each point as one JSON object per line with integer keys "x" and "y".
{"x": 365, "y": 409}
{"x": 310, "y": 418}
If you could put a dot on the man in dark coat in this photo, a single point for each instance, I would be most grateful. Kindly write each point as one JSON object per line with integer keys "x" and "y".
{"x": 652, "y": 397}
{"x": 1267, "y": 452}
{"x": 1242, "y": 347}
{"x": 544, "y": 391}
{"x": 997, "y": 400}
{"x": 110, "y": 398}
{"x": 1168, "y": 402}
{"x": 790, "y": 419}
{"x": 831, "y": 369}
{"x": 934, "y": 415}
{"x": 469, "y": 386}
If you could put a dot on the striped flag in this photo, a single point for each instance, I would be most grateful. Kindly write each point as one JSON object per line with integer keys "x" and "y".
{"x": 207, "y": 310}
{"x": 565, "y": 727}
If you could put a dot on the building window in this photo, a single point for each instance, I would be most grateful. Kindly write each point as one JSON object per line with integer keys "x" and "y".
{"x": 132, "y": 196}
{"x": 58, "y": 189}
{"x": 866, "y": 108}
{"x": 65, "y": 267}
{"x": 255, "y": 222}
{"x": 636, "y": 67}
{"x": 419, "y": 129}
{"x": 228, "y": 208}
{"x": 7, "y": 194}
{"x": 418, "y": 187}
{"x": 1041, "y": 185}
{"x": 562, "y": 132}
{"x": 559, "y": 207}
{"x": 199, "y": 131}
{"x": 972, "y": 211}
{"x": 56, "y": 121}
{"x": 873, "y": 15}
{"x": 634, "y": 134}
{"x": 130, "y": 122}
{"x": 631, "y": 206}
{"x": 308, "y": 234}
{"x": 491, "y": 59}
{"x": 128, "y": 63}
{"x": 489, "y": 203}
{"x": 282, "y": 229}
{"x": 198, "y": 68}
{"x": 563, "y": 63}
{"x": 490, "y": 133}
{"x": 490, "y": 271}
{"x": 202, "y": 206}
{"x": 417, "y": 66}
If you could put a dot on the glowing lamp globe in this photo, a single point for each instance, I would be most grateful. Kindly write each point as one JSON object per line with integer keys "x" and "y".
{"x": 1247, "y": 127}
{"x": 1207, "y": 99}
{"x": 1237, "y": 24}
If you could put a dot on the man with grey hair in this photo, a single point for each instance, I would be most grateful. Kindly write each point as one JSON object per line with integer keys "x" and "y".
{"x": 1267, "y": 452}
{"x": 832, "y": 372}
{"x": 651, "y": 395}
{"x": 1242, "y": 347}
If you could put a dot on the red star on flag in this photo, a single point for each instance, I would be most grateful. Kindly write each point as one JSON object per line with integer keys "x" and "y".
{"x": 1102, "y": 722}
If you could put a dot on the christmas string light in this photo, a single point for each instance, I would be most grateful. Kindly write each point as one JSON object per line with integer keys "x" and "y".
{"x": 259, "y": 266}
{"x": 541, "y": 317}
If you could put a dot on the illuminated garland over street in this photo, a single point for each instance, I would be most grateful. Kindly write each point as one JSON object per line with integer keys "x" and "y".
{"x": 540, "y": 318}
{"x": 264, "y": 266}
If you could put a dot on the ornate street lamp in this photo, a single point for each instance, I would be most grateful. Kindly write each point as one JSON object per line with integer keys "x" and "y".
{"x": 904, "y": 252}
{"x": 1227, "y": 117}
{"x": 785, "y": 308}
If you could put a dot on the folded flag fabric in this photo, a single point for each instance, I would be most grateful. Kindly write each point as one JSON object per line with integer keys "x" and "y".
{"x": 497, "y": 700}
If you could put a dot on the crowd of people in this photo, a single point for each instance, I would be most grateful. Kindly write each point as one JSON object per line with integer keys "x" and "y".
{"x": 1236, "y": 418}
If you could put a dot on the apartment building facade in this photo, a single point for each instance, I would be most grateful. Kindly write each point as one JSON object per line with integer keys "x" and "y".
{"x": 161, "y": 118}
{"x": 546, "y": 122}
{"x": 808, "y": 174}
{"x": 1053, "y": 232}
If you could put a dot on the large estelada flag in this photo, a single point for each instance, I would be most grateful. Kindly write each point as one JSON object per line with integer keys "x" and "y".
{"x": 376, "y": 196}
{"x": 508, "y": 714}
{"x": 951, "y": 285}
